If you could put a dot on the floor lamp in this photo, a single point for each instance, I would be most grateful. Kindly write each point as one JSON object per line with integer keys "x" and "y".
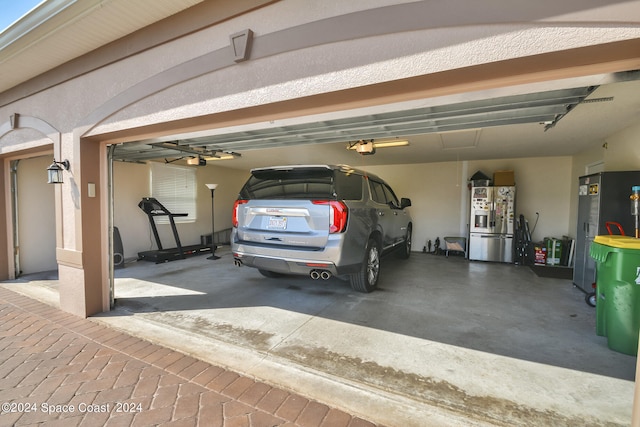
{"x": 212, "y": 187}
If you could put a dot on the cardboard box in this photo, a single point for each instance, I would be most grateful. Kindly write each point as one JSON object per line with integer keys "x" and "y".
{"x": 503, "y": 178}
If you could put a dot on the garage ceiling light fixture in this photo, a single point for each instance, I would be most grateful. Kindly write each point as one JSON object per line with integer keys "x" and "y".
{"x": 54, "y": 171}
{"x": 201, "y": 152}
{"x": 370, "y": 146}
{"x": 196, "y": 161}
{"x": 224, "y": 156}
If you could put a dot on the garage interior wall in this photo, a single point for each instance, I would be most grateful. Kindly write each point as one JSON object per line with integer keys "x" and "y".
{"x": 436, "y": 190}
{"x": 132, "y": 183}
{"x": 622, "y": 150}
{"x": 545, "y": 185}
{"x": 36, "y": 224}
{"x": 618, "y": 152}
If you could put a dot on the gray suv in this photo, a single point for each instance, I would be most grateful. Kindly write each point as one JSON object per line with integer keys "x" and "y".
{"x": 319, "y": 220}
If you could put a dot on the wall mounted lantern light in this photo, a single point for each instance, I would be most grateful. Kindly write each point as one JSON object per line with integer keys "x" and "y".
{"x": 54, "y": 171}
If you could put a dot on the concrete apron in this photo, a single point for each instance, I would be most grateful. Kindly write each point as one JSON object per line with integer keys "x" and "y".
{"x": 344, "y": 349}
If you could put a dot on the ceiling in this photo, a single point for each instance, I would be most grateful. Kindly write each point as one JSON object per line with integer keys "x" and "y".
{"x": 550, "y": 119}
{"x": 48, "y": 36}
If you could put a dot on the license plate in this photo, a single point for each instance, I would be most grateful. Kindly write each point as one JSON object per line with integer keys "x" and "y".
{"x": 277, "y": 223}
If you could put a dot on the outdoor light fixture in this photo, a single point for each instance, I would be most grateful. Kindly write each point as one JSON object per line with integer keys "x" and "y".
{"x": 213, "y": 256}
{"x": 54, "y": 171}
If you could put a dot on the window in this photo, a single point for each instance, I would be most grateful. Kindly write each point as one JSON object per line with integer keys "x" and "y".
{"x": 349, "y": 186}
{"x": 377, "y": 192}
{"x": 392, "y": 200}
{"x": 174, "y": 187}
{"x": 381, "y": 193}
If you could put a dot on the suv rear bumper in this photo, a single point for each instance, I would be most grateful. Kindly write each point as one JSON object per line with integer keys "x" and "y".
{"x": 280, "y": 263}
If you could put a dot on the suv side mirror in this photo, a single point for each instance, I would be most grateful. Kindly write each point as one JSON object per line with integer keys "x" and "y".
{"x": 405, "y": 203}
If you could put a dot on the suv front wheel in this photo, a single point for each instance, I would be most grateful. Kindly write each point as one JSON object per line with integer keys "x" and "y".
{"x": 366, "y": 279}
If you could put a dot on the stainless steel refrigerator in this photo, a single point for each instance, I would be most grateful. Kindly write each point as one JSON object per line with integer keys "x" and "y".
{"x": 602, "y": 197}
{"x": 491, "y": 226}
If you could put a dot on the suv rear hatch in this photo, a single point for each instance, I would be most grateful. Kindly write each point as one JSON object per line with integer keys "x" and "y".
{"x": 289, "y": 207}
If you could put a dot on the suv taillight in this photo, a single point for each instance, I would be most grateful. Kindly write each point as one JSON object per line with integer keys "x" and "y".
{"x": 236, "y": 205}
{"x": 337, "y": 216}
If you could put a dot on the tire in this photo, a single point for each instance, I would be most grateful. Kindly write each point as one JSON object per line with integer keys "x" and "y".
{"x": 270, "y": 274}
{"x": 590, "y": 299}
{"x": 405, "y": 250}
{"x": 366, "y": 279}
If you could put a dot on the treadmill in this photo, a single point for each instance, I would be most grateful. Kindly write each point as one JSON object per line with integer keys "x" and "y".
{"x": 154, "y": 208}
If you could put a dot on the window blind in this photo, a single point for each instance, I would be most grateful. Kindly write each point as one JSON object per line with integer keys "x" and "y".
{"x": 175, "y": 187}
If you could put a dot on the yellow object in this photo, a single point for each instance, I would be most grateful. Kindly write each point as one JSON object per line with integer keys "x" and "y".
{"x": 623, "y": 242}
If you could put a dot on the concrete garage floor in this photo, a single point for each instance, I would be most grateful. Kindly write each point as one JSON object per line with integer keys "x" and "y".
{"x": 444, "y": 341}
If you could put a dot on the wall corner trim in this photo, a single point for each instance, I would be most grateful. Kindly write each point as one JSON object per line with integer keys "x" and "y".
{"x": 69, "y": 258}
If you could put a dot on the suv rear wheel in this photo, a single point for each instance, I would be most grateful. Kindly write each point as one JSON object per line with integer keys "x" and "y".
{"x": 366, "y": 279}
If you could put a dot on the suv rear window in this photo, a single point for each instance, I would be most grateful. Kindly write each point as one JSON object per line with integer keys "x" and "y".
{"x": 289, "y": 184}
{"x": 300, "y": 183}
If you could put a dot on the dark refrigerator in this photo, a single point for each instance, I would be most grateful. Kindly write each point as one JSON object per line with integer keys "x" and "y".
{"x": 602, "y": 197}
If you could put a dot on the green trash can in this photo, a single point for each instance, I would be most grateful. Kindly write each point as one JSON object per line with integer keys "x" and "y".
{"x": 618, "y": 291}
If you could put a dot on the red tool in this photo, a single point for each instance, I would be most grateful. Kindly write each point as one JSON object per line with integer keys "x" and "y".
{"x": 617, "y": 224}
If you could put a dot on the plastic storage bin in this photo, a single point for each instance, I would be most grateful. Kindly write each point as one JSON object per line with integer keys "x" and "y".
{"x": 618, "y": 291}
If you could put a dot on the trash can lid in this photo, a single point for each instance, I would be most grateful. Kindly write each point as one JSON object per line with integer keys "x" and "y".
{"x": 616, "y": 241}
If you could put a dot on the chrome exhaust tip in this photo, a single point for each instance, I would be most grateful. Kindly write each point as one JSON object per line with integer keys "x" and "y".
{"x": 237, "y": 262}
{"x": 325, "y": 275}
{"x": 315, "y": 275}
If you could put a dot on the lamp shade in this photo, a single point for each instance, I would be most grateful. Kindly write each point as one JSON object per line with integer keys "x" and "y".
{"x": 211, "y": 186}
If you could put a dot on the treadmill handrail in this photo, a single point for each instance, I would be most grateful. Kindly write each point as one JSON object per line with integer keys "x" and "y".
{"x": 154, "y": 213}
{"x": 152, "y": 207}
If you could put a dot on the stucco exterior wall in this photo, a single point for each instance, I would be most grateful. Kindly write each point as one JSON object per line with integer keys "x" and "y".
{"x": 295, "y": 55}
